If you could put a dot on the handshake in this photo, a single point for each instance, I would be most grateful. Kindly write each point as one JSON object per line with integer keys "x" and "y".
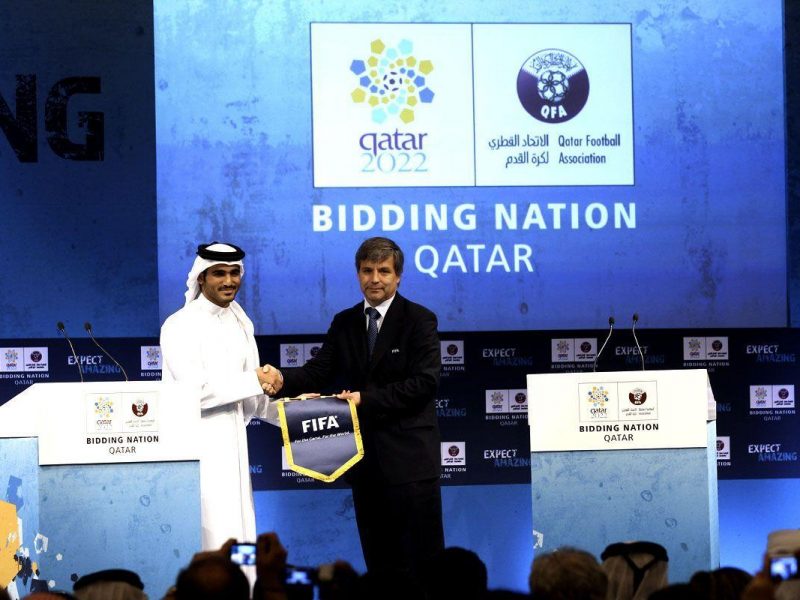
{"x": 270, "y": 378}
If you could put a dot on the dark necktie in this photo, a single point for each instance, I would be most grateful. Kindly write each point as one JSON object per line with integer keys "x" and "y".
{"x": 372, "y": 329}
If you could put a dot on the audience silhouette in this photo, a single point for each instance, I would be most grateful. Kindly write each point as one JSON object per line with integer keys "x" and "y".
{"x": 630, "y": 571}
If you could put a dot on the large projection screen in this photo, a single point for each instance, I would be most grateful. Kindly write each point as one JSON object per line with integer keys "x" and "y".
{"x": 543, "y": 165}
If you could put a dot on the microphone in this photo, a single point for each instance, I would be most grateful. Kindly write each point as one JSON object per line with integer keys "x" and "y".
{"x": 608, "y": 337}
{"x": 633, "y": 330}
{"x": 63, "y": 331}
{"x": 88, "y": 327}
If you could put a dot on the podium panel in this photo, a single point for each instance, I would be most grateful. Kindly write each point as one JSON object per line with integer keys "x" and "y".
{"x": 67, "y": 520}
{"x": 625, "y": 491}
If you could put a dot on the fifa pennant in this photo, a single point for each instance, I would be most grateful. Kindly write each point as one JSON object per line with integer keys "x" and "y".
{"x": 321, "y": 436}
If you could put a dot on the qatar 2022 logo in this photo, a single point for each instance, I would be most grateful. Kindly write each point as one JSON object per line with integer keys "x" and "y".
{"x": 103, "y": 408}
{"x": 11, "y": 358}
{"x": 392, "y": 81}
{"x": 553, "y": 86}
{"x": 597, "y": 398}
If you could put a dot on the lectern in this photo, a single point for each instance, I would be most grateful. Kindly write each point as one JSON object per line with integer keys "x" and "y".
{"x": 626, "y": 456}
{"x": 96, "y": 476}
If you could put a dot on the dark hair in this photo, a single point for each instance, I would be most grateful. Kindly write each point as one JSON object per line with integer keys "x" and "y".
{"x": 455, "y": 573}
{"x": 109, "y": 575}
{"x": 720, "y": 584}
{"x": 378, "y": 249}
{"x": 212, "y": 578}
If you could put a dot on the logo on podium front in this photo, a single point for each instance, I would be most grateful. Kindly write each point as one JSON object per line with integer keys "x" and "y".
{"x": 142, "y": 412}
{"x": 641, "y": 401}
{"x": 101, "y": 413}
{"x": 598, "y": 402}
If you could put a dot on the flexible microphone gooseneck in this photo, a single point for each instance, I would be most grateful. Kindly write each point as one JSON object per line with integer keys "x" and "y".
{"x": 635, "y": 339}
{"x": 63, "y": 331}
{"x": 88, "y": 327}
{"x": 603, "y": 347}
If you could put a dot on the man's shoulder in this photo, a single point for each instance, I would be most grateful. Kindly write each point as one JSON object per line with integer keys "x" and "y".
{"x": 348, "y": 313}
{"x": 187, "y": 314}
{"x": 176, "y": 317}
{"x": 413, "y": 309}
{"x": 400, "y": 305}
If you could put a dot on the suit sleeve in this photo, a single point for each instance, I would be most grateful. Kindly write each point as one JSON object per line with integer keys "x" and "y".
{"x": 410, "y": 394}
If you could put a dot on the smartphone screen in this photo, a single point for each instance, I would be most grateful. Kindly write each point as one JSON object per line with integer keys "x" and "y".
{"x": 243, "y": 554}
{"x": 298, "y": 576}
{"x": 302, "y": 581}
{"x": 783, "y": 567}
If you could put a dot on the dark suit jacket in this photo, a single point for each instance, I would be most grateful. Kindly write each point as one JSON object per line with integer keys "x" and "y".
{"x": 398, "y": 388}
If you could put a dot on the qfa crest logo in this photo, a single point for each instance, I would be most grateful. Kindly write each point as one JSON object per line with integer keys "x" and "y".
{"x": 553, "y": 86}
{"x": 452, "y": 352}
{"x": 597, "y": 397}
{"x": 453, "y": 454}
{"x": 637, "y": 396}
{"x": 392, "y": 81}
{"x": 140, "y": 408}
{"x": 724, "y": 447}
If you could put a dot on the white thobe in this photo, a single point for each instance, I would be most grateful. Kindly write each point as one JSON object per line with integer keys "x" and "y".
{"x": 215, "y": 349}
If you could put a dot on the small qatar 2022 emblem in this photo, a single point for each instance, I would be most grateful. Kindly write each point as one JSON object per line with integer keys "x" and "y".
{"x": 553, "y": 86}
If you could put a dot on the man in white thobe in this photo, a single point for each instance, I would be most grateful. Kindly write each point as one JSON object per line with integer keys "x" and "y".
{"x": 210, "y": 343}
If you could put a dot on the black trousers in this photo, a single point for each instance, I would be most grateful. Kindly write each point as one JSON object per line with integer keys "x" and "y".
{"x": 400, "y": 527}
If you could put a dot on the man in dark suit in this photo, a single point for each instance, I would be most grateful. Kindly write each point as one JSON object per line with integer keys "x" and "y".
{"x": 384, "y": 354}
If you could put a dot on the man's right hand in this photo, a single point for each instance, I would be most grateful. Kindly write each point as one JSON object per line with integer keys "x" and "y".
{"x": 270, "y": 378}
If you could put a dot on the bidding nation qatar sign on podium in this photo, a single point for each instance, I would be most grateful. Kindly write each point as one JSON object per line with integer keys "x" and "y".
{"x": 626, "y": 456}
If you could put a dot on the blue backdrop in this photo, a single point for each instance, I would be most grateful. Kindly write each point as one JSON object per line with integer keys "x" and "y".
{"x": 79, "y": 212}
{"x": 227, "y": 87}
{"x": 235, "y": 161}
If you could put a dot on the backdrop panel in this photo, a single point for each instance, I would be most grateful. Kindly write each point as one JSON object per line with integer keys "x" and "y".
{"x": 77, "y": 162}
{"x": 686, "y": 215}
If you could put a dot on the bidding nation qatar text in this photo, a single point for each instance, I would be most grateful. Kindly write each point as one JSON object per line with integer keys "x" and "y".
{"x": 478, "y": 257}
